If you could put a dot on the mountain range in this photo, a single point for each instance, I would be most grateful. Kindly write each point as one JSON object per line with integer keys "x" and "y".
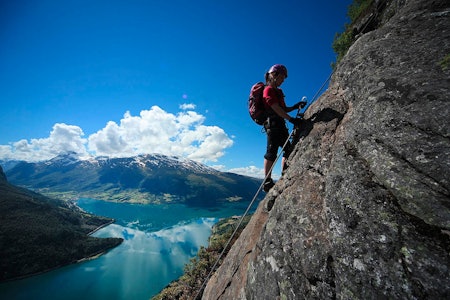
{"x": 140, "y": 179}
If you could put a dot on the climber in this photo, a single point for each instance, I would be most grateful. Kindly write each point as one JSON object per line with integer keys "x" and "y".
{"x": 275, "y": 126}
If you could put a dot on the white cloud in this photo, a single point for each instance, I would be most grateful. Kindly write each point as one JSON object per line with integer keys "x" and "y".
{"x": 186, "y": 106}
{"x": 213, "y": 141}
{"x": 6, "y": 153}
{"x": 157, "y": 131}
{"x": 153, "y": 131}
{"x": 251, "y": 171}
{"x": 109, "y": 140}
{"x": 63, "y": 138}
{"x": 221, "y": 168}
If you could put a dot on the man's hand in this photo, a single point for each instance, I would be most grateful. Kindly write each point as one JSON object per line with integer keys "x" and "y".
{"x": 300, "y": 104}
{"x": 295, "y": 121}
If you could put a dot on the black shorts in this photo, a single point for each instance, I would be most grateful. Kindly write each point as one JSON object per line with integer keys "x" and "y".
{"x": 277, "y": 134}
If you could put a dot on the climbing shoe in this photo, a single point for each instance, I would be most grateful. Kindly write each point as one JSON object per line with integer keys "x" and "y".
{"x": 268, "y": 184}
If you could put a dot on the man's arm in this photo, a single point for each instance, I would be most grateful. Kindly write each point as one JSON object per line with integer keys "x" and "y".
{"x": 279, "y": 111}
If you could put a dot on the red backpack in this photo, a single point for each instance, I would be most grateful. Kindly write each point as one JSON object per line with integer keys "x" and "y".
{"x": 256, "y": 104}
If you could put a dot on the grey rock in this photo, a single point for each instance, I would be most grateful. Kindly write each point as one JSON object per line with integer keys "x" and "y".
{"x": 363, "y": 211}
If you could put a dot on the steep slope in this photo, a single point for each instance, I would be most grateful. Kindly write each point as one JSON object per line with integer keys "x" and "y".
{"x": 144, "y": 178}
{"x": 38, "y": 233}
{"x": 363, "y": 211}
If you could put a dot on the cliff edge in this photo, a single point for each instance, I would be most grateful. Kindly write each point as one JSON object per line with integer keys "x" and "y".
{"x": 363, "y": 212}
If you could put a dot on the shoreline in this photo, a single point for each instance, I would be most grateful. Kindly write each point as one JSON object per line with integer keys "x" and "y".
{"x": 94, "y": 256}
{"x": 101, "y": 226}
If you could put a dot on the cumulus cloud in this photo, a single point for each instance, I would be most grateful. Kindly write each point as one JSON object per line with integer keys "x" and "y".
{"x": 251, "y": 171}
{"x": 187, "y": 106}
{"x": 157, "y": 131}
{"x": 63, "y": 138}
{"x": 152, "y": 131}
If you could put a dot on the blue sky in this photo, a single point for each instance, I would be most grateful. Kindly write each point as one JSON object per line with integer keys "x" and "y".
{"x": 121, "y": 78}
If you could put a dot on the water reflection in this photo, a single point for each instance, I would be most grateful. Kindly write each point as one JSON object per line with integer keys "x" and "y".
{"x": 137, "y": 269}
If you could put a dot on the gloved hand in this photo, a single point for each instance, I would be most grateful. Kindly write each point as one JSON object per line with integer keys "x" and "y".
{"x": 300, "y": 104}
{"x": 295, "y": 121}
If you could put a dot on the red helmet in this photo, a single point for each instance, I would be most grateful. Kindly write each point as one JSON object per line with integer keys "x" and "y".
{"x": 279, "y": 69}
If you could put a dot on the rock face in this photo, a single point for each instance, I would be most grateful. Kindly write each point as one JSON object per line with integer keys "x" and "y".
{"x": 363, "y": 211}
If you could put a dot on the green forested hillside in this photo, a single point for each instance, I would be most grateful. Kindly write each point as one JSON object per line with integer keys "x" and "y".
{"x": 38, "y": 233}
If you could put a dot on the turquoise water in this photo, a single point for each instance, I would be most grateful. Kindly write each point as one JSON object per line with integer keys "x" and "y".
{"x": 158, "y": 241}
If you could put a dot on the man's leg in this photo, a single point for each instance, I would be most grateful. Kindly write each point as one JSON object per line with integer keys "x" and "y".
{"x": 268, "y": 183}
{"x": 267, "y": 168}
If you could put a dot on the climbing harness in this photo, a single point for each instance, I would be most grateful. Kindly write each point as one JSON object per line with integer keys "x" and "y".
{"x": 254, "y": 197}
